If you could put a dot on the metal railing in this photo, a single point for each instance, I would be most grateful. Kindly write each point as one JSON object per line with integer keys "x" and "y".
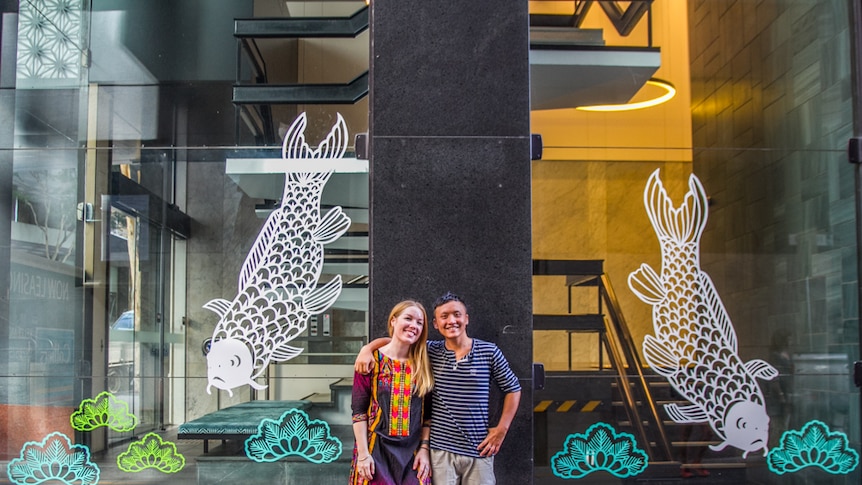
{"x": 617, "y": 326}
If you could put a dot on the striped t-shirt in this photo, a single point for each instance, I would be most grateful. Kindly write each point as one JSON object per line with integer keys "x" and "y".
{"x": 459, "y": 411}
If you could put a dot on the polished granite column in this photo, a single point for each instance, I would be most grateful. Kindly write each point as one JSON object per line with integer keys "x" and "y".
{"x": 449, "y": 150}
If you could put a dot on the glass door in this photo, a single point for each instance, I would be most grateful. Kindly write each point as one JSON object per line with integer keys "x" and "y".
{"x": 137, "y": 346}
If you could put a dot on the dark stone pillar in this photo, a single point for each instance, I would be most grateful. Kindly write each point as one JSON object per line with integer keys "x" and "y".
{"x": 449, "y": 144}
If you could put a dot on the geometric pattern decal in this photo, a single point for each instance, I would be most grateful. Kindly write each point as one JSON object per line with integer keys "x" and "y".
{"x": 293, "y": 434}
{"x": 695, "y": 346}
{"x": 814, "y": 446}
{"x": 151, "y": 452}
{"x": 54, "y": 460}
{"x": 278, "y": 283}
{"x": 601, "y": 448}
{"x": 48, "y": 36}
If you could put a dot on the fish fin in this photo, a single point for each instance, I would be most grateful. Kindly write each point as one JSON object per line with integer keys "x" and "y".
{"x": 684, "y": 224}
{"x": 690, "y": 413}
{"x": 761, "y": 369}
{"x": 717, "y": 311}
{"x": 719, "y": 446}
{"x": 256, "y": 385}
{"x": 261, "y": 247}
{"x": 285, "y": 352}
{"x": 659, "y": 357}
{"x": 646, "y": 284}
{"x": 323, "y": 296}
{"x": 332, "y": 226}
{"x": 219, "y": 306}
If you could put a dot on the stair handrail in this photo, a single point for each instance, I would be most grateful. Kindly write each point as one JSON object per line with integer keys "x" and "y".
{"x": 630, "y": 406}
{"x": 621, "y": 329}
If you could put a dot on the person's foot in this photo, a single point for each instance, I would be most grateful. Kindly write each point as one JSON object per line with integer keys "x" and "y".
{"x": 701, "y": 472}
{"x": 685, "y": 473}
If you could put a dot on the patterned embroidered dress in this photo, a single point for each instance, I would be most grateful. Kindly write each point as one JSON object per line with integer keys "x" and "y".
{"x": 394, "y": 415}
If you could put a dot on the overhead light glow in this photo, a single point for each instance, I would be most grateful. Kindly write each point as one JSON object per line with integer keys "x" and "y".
{"x": 668, "y": 87}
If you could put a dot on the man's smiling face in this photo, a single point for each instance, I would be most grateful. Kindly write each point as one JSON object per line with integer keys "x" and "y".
{"x": 451, "y": 319}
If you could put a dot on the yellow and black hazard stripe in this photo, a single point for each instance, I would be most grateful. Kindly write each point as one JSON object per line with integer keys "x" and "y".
{"x": 565, "y": 406}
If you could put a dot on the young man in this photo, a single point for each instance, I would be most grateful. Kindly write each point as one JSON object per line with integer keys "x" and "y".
{"x": 462, "y": 444}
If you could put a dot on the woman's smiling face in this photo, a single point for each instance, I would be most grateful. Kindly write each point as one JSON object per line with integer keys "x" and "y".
{"x": 407, "y": 326}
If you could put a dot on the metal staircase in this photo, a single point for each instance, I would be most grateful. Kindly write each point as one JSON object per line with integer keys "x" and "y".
{"x": 631, "y": 382}
{"x": 254, "y": 95}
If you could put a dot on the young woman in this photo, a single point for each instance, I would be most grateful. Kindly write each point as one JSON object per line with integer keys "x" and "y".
{"x": 390, "y": 414}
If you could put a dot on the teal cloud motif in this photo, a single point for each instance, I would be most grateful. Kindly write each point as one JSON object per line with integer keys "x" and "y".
{"x": 104, "y": 410}
{"x": 601, "y": 448}
{"x": 151, "y": 452}
{"x": 54, "y": 460}
{"x": 293, "y": 434}
{"x": 814, "y": 446}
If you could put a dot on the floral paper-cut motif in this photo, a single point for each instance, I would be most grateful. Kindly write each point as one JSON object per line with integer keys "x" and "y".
{"x": 54, "y": 460}
{"x": 104, "y": 410}
{"x": 294, "y": 434}
{"x": 151, "y": 452}
{"x": 814, "y": 446}
{"x": 600, "y": 448}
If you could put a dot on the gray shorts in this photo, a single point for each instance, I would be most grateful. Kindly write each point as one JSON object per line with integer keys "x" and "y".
{"x": 452, "y": 469}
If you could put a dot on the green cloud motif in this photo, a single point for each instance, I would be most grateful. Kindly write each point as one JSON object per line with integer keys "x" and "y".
{"x": 293, "y": 434}
{"x": 104, "y": 410}
{"x": 814, "y": 446}
{"x": 151, "y": 452}
{"x": 600, "y": 448}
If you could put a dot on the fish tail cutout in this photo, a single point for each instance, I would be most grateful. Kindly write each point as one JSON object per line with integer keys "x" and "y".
{"x": 294, "y": 145}
{"x": 335, "y": 143}
{"x": 717, "y": 311}
{"x": 219, "y": 306}
{"x": 285, "y": 352}
{"x": 689, "y": 413}
{"x": 761, "y": 369}
{"x": 657, "y": 355}
{"x": 333, "y": 146}
{"x": 334, "y": 224}
{"x": 681, "y": 225}
{"x": 646, "y": 284}
{"x": 323, "y": 297}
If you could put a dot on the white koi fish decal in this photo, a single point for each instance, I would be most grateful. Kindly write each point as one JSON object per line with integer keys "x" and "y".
{"x": 695, "y": 345}
{"x": 278, "y": 284}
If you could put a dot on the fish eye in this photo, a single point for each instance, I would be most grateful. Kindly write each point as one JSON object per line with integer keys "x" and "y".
{"x": 741, "y": 423}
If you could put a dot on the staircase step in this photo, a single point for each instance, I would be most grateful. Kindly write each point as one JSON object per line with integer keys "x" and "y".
{"x": 589, "y": 322}
{"x": 568, "y": 267}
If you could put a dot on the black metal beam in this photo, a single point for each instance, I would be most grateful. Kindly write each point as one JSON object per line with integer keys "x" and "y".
{"x": 283, "y": 28}
{"x": 303, "y": 93}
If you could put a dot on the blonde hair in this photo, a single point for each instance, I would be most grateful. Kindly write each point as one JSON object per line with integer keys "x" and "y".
{"x": 417, "y": 356}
